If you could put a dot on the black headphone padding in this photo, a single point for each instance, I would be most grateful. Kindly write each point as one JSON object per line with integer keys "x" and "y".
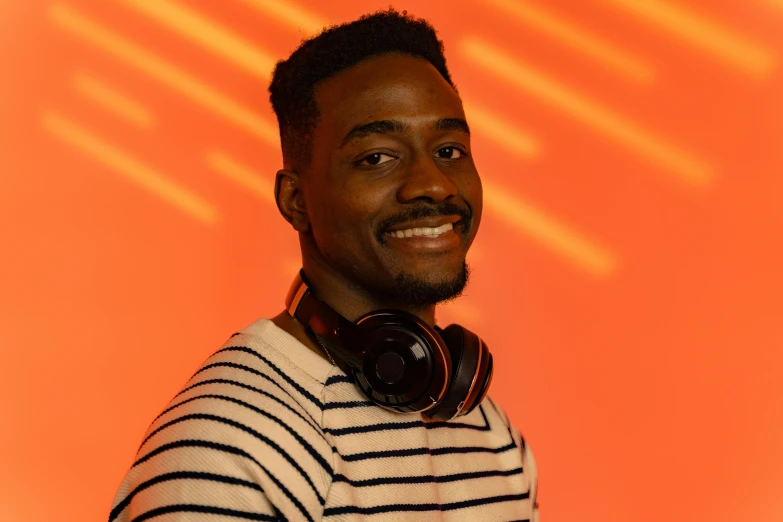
{"x": 464, "y": 363}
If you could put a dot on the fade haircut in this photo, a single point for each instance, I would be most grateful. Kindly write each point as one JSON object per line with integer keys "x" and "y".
{"x": 337, "y": 48}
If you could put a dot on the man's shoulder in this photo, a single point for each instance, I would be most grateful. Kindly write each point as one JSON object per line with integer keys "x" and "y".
{"x": 505, "y": 421}
{"x": 271, "y": 364}
{"x": 254, "y": 366}
{"x": 248, "y": 418}
{"x": 245, "y": 393}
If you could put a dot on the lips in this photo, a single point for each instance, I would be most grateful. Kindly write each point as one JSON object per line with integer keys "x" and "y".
{"x": 422, "y": 240}
{"x": 421, "y": 231}
{"x": 426, "y": 226}
{"x": 433, "y": 222}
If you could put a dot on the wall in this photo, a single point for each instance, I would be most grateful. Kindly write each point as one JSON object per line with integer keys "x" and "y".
{"x": 627, "y": 275}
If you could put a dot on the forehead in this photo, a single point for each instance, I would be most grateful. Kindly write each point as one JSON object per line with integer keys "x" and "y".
{"x": 391, "y": 86}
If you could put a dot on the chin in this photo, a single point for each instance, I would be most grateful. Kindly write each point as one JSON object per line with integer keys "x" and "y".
{"x": 432, "y": 287}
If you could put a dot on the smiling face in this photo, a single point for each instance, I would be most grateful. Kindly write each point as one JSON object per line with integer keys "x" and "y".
{"x": 392, "y": 197}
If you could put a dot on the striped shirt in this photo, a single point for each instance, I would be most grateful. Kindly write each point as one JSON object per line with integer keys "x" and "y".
{"x": 268, "y": 430}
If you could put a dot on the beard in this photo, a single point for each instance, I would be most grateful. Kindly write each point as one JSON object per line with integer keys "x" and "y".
{"x": 419, "y": 292}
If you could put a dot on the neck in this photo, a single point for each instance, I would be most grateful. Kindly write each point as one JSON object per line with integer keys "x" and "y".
{"x": 349, "y": 299}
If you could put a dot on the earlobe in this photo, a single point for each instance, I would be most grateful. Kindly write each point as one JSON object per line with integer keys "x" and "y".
{"x": 290, "y": 199}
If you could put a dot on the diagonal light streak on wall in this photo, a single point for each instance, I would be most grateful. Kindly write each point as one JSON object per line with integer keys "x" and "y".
{"x": 504, "y": 133}
{"x": 548, "y": 231}
{"x": 130, "y": 168}
{"x": 778, "y": 4}
{"x": 242, "y": 175}
{"x": 720, "y": 42}
{"x": 289, "y": 14}
{"x": 578, "y": 39}
{"x": 207, "y": 33}
{"x": 114, "y": 101}
{"x": 586, "y": 111}
{"x": 164, "y": 72}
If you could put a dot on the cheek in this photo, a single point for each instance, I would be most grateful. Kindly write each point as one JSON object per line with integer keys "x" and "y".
{"x": 339, "y": 224}
{"x": 345, "y": 212}
{"x": 473, "y": 193}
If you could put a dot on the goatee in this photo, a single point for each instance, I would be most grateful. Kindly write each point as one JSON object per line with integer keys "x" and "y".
{"x": 418, "y": 292}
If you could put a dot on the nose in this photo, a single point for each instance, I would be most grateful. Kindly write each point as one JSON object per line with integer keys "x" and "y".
{"x": 425, "y": 180}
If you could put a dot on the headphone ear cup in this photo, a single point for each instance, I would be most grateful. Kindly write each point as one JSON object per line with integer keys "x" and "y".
{"x": 421, "y": 360}
{"x": 471, "y": 365}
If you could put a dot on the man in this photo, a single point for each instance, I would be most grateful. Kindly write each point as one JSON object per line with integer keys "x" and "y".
{"x": 380, "y": 186}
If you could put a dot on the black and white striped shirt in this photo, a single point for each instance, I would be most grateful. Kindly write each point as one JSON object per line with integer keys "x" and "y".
{"x": 268, "y": 430}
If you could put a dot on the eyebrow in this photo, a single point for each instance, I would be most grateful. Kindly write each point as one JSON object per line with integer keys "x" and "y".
{"x": 452, "y": 124}
{"x": 397, "y": 127}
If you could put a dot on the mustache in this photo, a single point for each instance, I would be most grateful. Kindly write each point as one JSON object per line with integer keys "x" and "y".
{"x": 421, "y": 212}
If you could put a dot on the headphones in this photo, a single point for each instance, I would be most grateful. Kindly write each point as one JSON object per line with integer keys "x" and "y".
{"x": 397, "y": 360}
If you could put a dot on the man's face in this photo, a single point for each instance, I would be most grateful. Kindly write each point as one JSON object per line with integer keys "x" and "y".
{"x": 393, "y": 197}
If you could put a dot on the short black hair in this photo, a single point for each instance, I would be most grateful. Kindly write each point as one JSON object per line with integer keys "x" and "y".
{"x": 334, "y": 49}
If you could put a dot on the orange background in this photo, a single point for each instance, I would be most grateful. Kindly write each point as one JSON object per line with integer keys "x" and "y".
{"x": 627, "y": 274}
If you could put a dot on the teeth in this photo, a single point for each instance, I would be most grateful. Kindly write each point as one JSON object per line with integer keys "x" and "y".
{"x": 422, "y": 231}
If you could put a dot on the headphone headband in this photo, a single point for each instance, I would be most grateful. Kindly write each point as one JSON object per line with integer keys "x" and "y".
{"x": 295, "y": 293}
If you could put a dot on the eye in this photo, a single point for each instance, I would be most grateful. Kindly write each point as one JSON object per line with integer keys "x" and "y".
{"x": 376, "y": 159}
{"x": 450, "y": 153}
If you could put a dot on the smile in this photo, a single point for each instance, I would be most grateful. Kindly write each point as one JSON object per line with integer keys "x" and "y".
{"x": 421, "y": 231}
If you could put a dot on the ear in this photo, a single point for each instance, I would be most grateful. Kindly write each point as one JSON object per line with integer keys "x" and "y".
{"x": 290, "y": 199}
